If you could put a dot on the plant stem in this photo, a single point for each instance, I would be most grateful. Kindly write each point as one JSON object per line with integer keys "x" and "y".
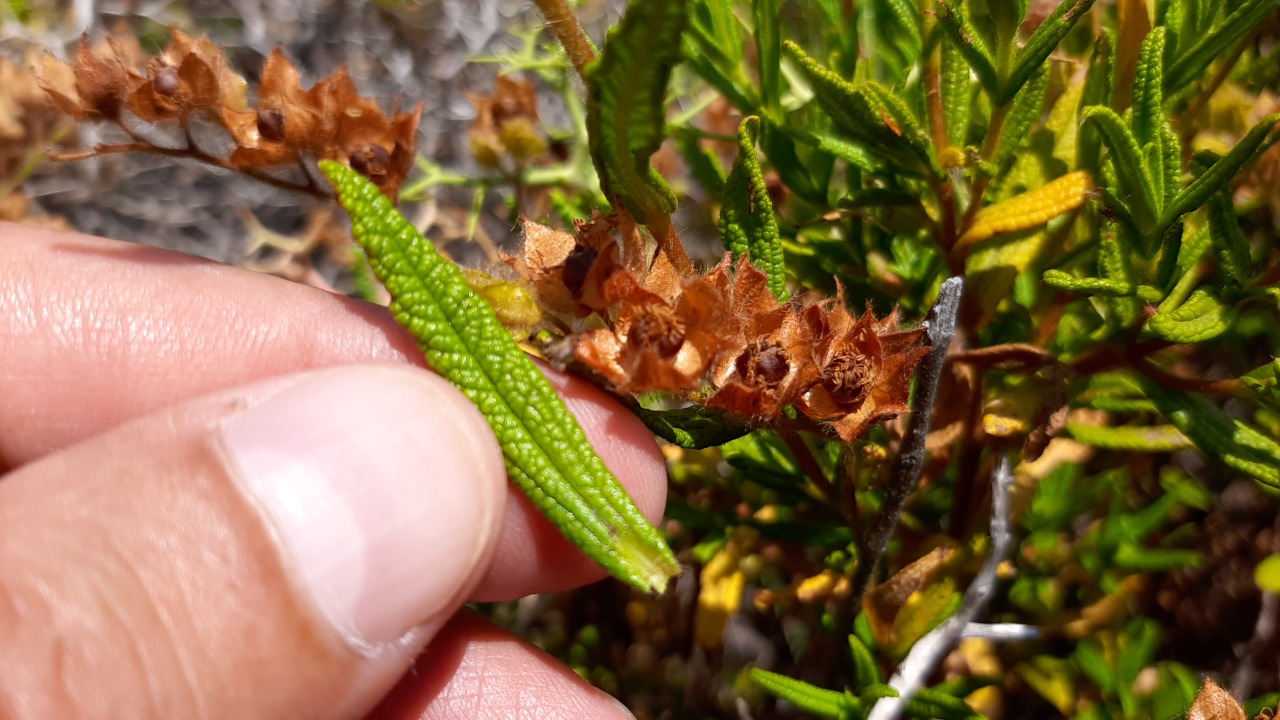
{"x": 568, "y": 30}
{"x": 907, "y": 467}
{"x": 929, "y": 651}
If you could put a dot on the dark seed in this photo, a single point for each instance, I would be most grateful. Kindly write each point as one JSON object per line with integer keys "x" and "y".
{"x": 370, "y": 160}
{"x": 271, "y": 124}
{"x": 166, "y": 82}
{"x": 577, "y": 266}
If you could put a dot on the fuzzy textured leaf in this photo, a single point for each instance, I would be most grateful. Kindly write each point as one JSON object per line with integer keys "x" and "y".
{"x": 1258, "y": 139}
{"x": 747, "y": 224}
{"x": 693, "y": 428}
{"x": 1137, "y": 185}
{"x": 1229, "y": 244}
{"x": 547, "y": 455}
{"x": 1192, "y": 62}
{"x": 1230, "y": 441}
{"x": 1042, "y": 42}
{"x": 626, "y": 108}
{"x": 970, "y": 44}
{"x": 1202, "y": 317}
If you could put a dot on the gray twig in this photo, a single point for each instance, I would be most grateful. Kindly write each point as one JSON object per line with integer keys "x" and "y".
{"x": 929, "y": 651}
{"x": 905, "y": 474}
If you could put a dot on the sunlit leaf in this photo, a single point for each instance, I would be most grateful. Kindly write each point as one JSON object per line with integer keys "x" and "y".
{"x": 1200, "y": 318}
{"x": 626, "y": 111}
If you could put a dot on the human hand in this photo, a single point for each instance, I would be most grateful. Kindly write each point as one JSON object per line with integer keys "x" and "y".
{"x": 232, "y": 496}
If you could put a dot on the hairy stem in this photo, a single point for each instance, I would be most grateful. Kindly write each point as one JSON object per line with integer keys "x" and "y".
{"x": 564, "y": 23}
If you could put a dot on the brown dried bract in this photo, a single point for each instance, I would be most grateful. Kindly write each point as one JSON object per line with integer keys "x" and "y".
{"x": 329, "y": 121}
{"x": 192, "y": 78}
{"x": 864, "y": 366}
{"x": 655, "y": 344}
{"x": 721, "y": 338}
{"x": 775, "y": 362}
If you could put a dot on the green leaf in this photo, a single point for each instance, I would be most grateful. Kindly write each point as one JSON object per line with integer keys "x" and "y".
{"x": 1144, "y": 559}
{"x": 807, "y": 698}
{"x": 1042, "y": 42}
{"x": 1161, "y": 438}
{"x": 1232, "y": 442}
{"x": 547, "y": 455}
{"x": 866, "y": 671}
{"x": 1257, "y": 140}
{"x": 1229, "y": 244}
{"x": 1267, "y": 574}
{"x": 1087, "y": 286}
{"x": 1137, "y": 186}
{"x": 692, "y": 428}
{"x": 1148, "y": 88}
{"x": 1097, "y": 91}
{"x": 747, "y": 224}
{"x": 969, "y": 43}
{"x": 1200, "y": 318}
{"x": 626, "y": 106}
{"x": 768, "y": 51}
{"x": 864, "y": 113}
{"x": 930, "y": 703}
{"x": 957, "y": 97}
{"x": 1027, "y": 107}
{"x": 1191, "y": 63}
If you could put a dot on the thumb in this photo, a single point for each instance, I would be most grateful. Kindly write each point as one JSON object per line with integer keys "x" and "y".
{"x": 281, "y": 550}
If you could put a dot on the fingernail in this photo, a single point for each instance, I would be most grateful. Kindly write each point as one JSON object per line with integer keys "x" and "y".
{"x": 381, "y": 486}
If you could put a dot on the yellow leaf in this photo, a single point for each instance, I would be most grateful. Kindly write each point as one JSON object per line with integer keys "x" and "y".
{"x": 1030, "y": 209}
{"x": 722, "y": 583}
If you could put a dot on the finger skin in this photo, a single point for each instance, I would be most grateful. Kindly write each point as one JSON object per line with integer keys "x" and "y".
{"x": 478, "y": 671}
{"x": 131, "y": 571}
{"x": 98, "y": 332}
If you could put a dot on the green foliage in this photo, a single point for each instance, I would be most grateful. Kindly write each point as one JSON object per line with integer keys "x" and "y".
{"x": 747, "y": 223}
{"x": 626, "y": 113}
{"x": 549, "y": 458}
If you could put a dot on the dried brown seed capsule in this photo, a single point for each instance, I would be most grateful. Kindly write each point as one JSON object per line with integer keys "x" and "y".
{"x": 661, "y": 331}
{"x": 848, "y": 378}
{"x": 764, "y": 363}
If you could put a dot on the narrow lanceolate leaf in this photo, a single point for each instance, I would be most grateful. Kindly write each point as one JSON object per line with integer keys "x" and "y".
{"x": 1148, "y": 88}
{"x": 1040, "y": 44}
{"x": 1097, "y": 91}
{"x": 1159, "y": 438}
{"x": 1087, "y": 286}
{"x": 694, "y": 427}
{"x": 1027, "y": 107}
{"x": 626, "y": 108}
{"x": 747, "y": 224}
{"x": 1200, "y": 51}
{"x": 1229, "y": 244}
{"x": 1030, "y": 209}
{"x": 768, "y": 51}
{"x": 1258, "y": 139}
{"x": 956, "y": 95}
{"x": 951, "y": 15}
{"x": 807, "y": 698}
{"x": 866, "y": 113}
{"x": 1200, "y": 318}
{"x": 1232, "y": 442}
{"x": 547, "y": 454}
{"x": 1137, "y": 187}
